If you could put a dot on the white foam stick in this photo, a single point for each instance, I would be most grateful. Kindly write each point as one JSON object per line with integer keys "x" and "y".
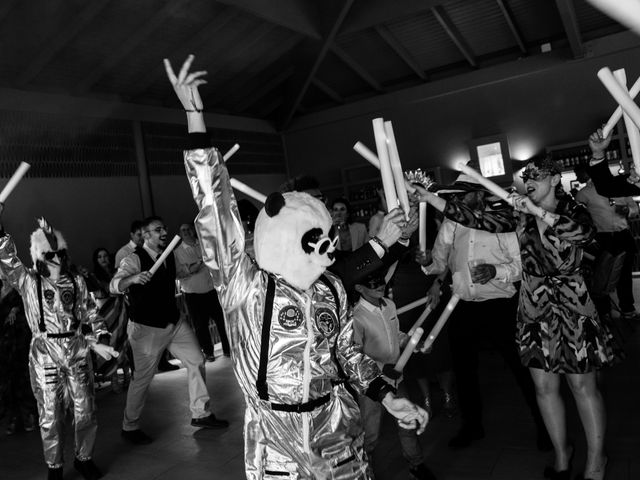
{"x": 385, "y": 166}
{"x": 627, "y": 12}
{"x": 231, "y": 151}
{"x": 423, "y": 316}
{"x": 632, "y": 129}
{"x": 620, "y": 94}
{"x": 435, "y": 331}
{"x": 14, "y": 180}
{"x": 422, "y": 227}
{"x": 411, "y": 306}
{"x": 617, "y": 115}
{"x": 163, "y": 256}
{"x": 408, "y": 350}
{"x": 485, "y": 182}
{"x": 241, "y": 187}
{"x": 391, "y": 272}
{"x": 396, "y": 168}
{"x": 367, "y": 154}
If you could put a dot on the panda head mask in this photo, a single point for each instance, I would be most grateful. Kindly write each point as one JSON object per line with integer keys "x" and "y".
{"x": 291, "y": 238}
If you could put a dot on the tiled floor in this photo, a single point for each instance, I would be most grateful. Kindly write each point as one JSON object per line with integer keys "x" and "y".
{"x": 181, "y": 452}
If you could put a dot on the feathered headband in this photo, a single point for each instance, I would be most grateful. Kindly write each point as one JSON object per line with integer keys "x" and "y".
{"x": 45, "y": 239}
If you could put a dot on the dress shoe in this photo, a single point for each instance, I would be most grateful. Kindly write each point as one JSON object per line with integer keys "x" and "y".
{"x": 209, "y": 422}
{"x": 55, "y": 474}
{"x": 165, "y": 366}
{"x": 210, "y": 358}
{"x": 421, "y": 472}
{"x": 87, "y": 469}
{"x": 466, "y": 436}
{"x": 137, "y": 437}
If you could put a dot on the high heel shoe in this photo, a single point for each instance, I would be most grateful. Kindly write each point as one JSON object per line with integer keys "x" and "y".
{"x": 552, "y": 474}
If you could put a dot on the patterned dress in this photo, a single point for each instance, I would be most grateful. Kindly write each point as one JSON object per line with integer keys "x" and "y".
{"x": 558, "y": 327}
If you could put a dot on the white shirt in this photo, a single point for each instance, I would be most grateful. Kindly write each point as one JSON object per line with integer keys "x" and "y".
{"x": 377, "y": 329}
{"x": 456, "y": 246}
{"x": 130, "y": 265}
{"x": 125, "y": 251}
{"x": 199, "y": 281}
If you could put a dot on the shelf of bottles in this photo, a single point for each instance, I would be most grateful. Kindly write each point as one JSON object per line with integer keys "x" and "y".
{"x": 362, "y": 183}
{"x": 571, "y": 156}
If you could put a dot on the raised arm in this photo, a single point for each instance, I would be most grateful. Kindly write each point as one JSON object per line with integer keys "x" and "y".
{"x": 218, "y": 223}
{"x": 10, "y": 265}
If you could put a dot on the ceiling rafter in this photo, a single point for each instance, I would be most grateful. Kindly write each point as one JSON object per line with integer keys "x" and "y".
{"x": 400, "y": 50}
{"x": 571, "y": 27}
{"x": 291, "y": 14}
{"x": 60, "y": 40}
{"x": 513, "y": 26}
{"x": 267, "y": 87}
{"x": 454, "y": 34}
{"x": 357, "y": 68}
{"x": 123, "y": 51}
{"x": 327, "y": 90}
{"x": 326, "y": 45}
{"x": 210, "y": 30}
{"x": 264, "y": 64}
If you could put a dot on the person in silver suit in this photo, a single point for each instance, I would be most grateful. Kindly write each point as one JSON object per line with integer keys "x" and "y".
{"x": 290, "y": 331}
{"x": 61, "y": 316}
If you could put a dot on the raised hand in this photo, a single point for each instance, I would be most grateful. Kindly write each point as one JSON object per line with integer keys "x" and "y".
{"x": 186, "y": 84}
{"x": 598, "y": 143}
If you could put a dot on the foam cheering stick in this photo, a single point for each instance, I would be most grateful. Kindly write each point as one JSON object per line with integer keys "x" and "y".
{"x": 385, "y": 165}
{"x": 367, "y": 154}
{"x": 453, "y": 301}
{"x": 14, "y": 180}
{"x": 396, "y": 168}
{"x": 632, "y": 129}
{"x": 163, "y": 256}
{"x": 411, "y": 306}
{"x": 485, "y": 182}
{"x": 627, "y": 12}
{"x": 617, "y": 115}
{"x": 241, "y": 187}
{"x": 231, "y": 151}
{"x": 408, "y": 350}
{"x": 423, "y": 316}
{"x": 620, "y": 94}
{"x": 422, "y": 233}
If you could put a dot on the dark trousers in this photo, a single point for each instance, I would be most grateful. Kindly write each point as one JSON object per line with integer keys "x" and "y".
{"x": 203, "y": 306}
{"x": 472, "y": 324}
{"x": 615, "y": 243}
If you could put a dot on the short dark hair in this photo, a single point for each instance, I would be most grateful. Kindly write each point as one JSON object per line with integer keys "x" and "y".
{"x": 149, "y": 220}
{"x": 342, "y": 200}
{"x": 300, "y": 184}
{"x": 135, "y": 226}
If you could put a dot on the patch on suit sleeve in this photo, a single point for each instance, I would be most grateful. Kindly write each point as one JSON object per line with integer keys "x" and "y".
{"x": 290, "y": 317}
{"x": 326, "y": 321}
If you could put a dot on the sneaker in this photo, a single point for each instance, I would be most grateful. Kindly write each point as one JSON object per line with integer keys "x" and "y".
{"x": 55, "y": 474}
{"x": 30, "y": 423}
{"x": 209, "y": 422}
{"x": 87, "y": 469}
{"x": 421, "y": 472}
{"x": 137, "y": 437}
{"x": 465, "y": 437}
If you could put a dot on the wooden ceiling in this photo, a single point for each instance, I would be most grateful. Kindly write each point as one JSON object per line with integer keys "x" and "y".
{"x": 276, "y": 59}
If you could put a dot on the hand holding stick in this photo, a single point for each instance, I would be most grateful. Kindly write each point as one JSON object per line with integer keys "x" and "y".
{"x": 165, "y": 254}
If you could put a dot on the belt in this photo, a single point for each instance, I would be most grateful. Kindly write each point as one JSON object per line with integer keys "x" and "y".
{"x": 61, "y": 335}
{"x": 302, "y": 407}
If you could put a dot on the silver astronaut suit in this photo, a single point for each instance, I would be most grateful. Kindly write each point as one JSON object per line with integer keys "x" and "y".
{"x": 300, "y": 421}
{"x": 59, "y": 361}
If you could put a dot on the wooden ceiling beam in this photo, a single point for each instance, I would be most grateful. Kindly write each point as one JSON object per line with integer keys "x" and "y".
{"x": 445, "y": 21}
{"x": 357, "y": 68}
{"x": 400, "y": 50}
{"x": 327, "y": 90}
{"x": 571, "y": 27}
{"x": 147, "y": 28}
{"x": 326, "y": 45}
{"x": 60, "y": 40}
{"x": 510, "y": 19}
{"x": 266, "y": 88}
{"x": 291, "y": 14}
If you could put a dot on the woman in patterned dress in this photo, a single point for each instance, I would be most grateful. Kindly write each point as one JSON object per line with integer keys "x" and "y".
{"x": 559, "y": 332}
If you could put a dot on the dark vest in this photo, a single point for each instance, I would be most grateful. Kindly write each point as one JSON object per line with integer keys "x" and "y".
{"x": 154, "y": 304}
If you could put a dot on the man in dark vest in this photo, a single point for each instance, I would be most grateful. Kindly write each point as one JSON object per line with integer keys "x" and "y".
{"x": 156, "y": 325}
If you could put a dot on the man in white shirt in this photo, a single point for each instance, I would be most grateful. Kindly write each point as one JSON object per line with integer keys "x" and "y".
{"x": 135, "y": 240}
{"x": 484, "y": 267}
{"x": 200, "y": 295}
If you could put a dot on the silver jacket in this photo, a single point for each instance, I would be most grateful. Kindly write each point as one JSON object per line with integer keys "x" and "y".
{"x": 60, "y": 367}
{"x": 309, "y": 347}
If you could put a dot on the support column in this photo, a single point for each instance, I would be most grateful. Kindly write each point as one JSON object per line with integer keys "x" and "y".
{"x": 144, "y": 181}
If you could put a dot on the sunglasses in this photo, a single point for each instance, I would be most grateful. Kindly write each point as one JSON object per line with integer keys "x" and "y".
{"x": 374, "y": 283}
{"x": 324, "y": 245}
{"x": 60, "y": 253}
